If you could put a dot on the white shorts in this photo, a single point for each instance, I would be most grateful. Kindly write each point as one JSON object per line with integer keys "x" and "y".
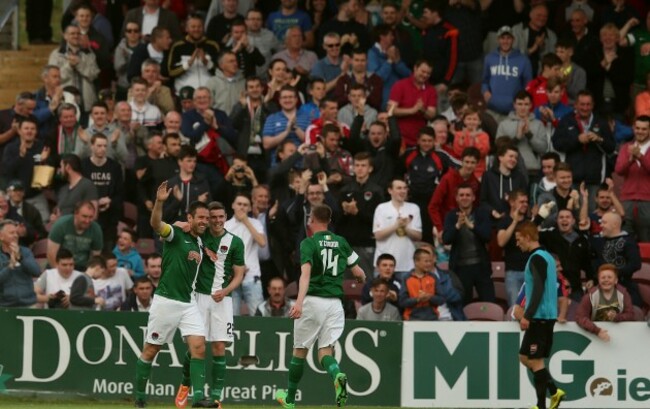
{"x": 166, "y": 315}
{"x": 322, "y": 319}
{"x": 217, "y": 318}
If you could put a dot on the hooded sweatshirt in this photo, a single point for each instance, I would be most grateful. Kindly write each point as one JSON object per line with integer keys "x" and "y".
{"x": 530, "y": 145}
{"x": 495, "y": 186}
{"x": 226, "y": 91}
{"x": 504, "y": 76}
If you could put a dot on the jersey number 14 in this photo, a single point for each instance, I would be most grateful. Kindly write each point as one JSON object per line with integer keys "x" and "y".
{"x": 329, "y": 262}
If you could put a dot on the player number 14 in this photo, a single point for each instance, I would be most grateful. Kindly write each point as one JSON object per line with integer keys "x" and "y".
{"x": 329, "y": 262}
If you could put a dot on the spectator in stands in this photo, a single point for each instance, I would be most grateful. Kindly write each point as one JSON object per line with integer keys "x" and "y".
{"x": 141, "y": 297}
{"x": 441, "y": 39}
{"x": 371, "y": 84}
{"x": 25, "y": 214}
{"x": 116, "y": 148}
{"x": 53, "y": 286}
{"x": 187, "y": 186}
{"x": 19, "y": 269}
{"x": 157, "y": 49}
{"x": 77, "y": 233}
{"x": 240, "y": 179}
{"x": 466, "y": 17}
{"x": 396, "y": 226}
{"x": 536, "y": 88}
{"x": 67, "y": 137}
{"x": 535, "y": 39}
{"x": 288, "y": 16}
{"x": 607, "y": 301}
{"x": 284, "y": 178}
{"x": 90, "y": 38}
{"x": 562, "y": 195}
{"x": 106, "y": 175}
{"x": 328, "y": 115}
{"x": 157, "y": 94}
{"x": 358, "y": 199}
{"x": 444, "y": 196}
{"x": 385, "y": 60}
{"x": 152, "y": 15}
{"x": 547, "y": 182}
{"x": 385, "y": 270}
{"x": 353, "y": 34}
{"x": 500, "y": 180}
{"x": 416, "y": 102}
{"x": 515, "y": 259}
{"x": 606, "y": 201}
{"x": 247, "y": 55}
{"x": 467, "y": 230}
{"x": 153, "y": 268}
{"x": 633, "y": 164}
{"x": 123, "y": 53}
{"x": 82, "y": 291}
{"x": 554, "y": 109}
{"x": 571, "y": 245}
{"x": 219, "y": 26}
{"x": 639, "y": 40}
{"x": 11, "y": 118}
{"x": 251, "y": 232}
{"x": 76, "y": 190}
{"x": 316, "y": 90}
{"x": 379, "y": 309}
{"x": 472, "y": 136}
{"x": 295, "y": 55}
{"x": 78, "y": 65}
{"x": 586, "y": 140}
{"x": 391, "y": 18}
{"x": 113, "y": 284}
{"x": 418, "y": 296}
{"x": 287, "y": 123}
{"x": 573, "y": 76}
{"x": 615, "y": 246}
{"x": 357, "y": 106}
{"x": 506, "y": 71}
{"x": 527, "y": 133}
{"x": 642, "y": 100}
{"x": 228, "y": 84}
{"x": 585, "y": 40}
{"x": 333, "y": 65}
{"x": 261, "y": 38}
{"x": 278, "y": 304}
{"x": 143, "y": 112}
{"x": 48, "y": 100}
{"x": 127, "y": 255}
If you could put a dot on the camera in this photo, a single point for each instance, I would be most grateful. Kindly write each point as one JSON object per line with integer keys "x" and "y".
{"x": 56, "y": 301}
{"x": 239, "y": 169}
{"x": 312, "y": 147}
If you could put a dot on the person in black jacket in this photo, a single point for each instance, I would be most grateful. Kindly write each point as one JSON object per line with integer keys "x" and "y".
{"x": 187, "y": 186}
{"x": 141, "y": 297}
{"x": 82, "y": 291}
{"x": 157, "y": 49}
{"x": 23, "y": 212}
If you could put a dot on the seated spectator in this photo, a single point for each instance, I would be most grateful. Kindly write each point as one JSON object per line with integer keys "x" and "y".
{"x": 606, "y": 201}
{"x": 289, "y": 15}
{"x": 68, "y": 137}
{"x": 30, "y": 222}
{"x": 113, "y": 284}
{"x": 220, "y": 24}
{"x": 158, "y": 94}
{"x": 333, "y": 65}
{"x": 278, "y": 304}
{"x": 151, "y": 16}
{"x": 563, "y": 195}
{"x": 371, "y": 84}
{"x": 11, "y": 117}
{"x": 329, "y": 111}
{"x": 228, "y": 84}
{"x": 385, "y": 61}
{"x": 534, "y": 38}
{"x": 287, "y": 123}
{"x": 357, "y": 106}
{"x": 607, "y": 301}
{"x": 187, "y": 186}
{"x": 418, "y": 296}
{"x": 122, "y": 55}
{"x": 379, "y": 309}
{"x": 472, "y": 136}
{"x": 78, "y": 65}
{"x": 19, "y": 269}
{"x": 547, "y": 182}
{"x": 316, "y": 90}
{"x": 82, "y": 292}
{"x": 153, "y": 268}
{"x": 295, "y": 55}
{"x": 143, "y": 112}
{"x": 551, "y": 112}
{"x": 385, "y": 270}
{"x": 77, "y": 233}
{"x": 261, "y": 38}
{"x": 536, "y": 88}
{"x": 141, "y": 297}
{"x": 53, "y": 286}
{"x": 127, "y": 256}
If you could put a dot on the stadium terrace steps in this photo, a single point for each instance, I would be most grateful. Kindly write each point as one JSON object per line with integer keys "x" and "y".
{"x": 20, "y": 71}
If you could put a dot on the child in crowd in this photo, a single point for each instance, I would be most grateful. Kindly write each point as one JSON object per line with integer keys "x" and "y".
{"x": 472, "y": 136}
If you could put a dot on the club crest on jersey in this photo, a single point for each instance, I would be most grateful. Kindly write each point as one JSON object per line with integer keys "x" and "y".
{"x": 367, "y": 196}
{"x": 211, "y": 254}
{"x": 223, "y": 249}
{"x": 194, "y": 255}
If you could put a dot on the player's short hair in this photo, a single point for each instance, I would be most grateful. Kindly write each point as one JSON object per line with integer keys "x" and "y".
{"x": 386, "y": 256}
{"x": 63, "y": 254}
{"x": 321, "y": 213}
{"x": 607, "y": 267}
{"x": 194, "y": 206}
{"x": 215, "y": 205}
{"x": 528, "y": 229}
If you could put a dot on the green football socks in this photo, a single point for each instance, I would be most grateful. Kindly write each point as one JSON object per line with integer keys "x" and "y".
{"x": 296, "y": 368}
{"x": 218, "y": 376}
{"x": 197, "y": 375}
{"x": 331, "y": 366}
{"x": 142, "y": 373}
{"x": 186, "y": 369}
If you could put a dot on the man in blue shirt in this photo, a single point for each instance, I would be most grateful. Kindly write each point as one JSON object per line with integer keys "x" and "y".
{"x": 333, "y": 65}
{"x": 288, "y": 16}
{"x": 286, "y": 123}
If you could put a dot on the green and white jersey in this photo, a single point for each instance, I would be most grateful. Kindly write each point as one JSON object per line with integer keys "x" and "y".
{"x": 328, "y": 255}
{"x": 221, "y": 254}
{"x": 181, "y": 258}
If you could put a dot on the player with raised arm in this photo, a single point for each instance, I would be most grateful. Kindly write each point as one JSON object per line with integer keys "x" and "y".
{"x": 318, "y": 310}
{"x": 222, "y": 271}
{"x": 174, "y": 306}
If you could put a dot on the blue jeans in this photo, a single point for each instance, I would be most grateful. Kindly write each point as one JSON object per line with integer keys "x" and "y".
{"x": 514, "y": 280}
{"x": 251, "y": 292}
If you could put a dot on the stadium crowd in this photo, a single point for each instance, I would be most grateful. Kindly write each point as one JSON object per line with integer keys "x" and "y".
{"x": 431, "y": 128}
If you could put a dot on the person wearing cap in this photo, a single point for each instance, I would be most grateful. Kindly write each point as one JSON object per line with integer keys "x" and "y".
{"x": 506, "y": 71}
{"x": 21, "y": 211}
{"x": 186, "y": 96}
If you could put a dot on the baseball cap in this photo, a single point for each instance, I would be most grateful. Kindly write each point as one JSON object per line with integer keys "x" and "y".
{"x": 15, "y": 185}
{"x": 504, "y": 30}
{"x": 186, "y": 93}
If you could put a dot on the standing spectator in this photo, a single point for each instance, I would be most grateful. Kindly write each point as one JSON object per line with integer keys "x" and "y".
{"x": 642, "y": 100}
{"x": 584, "y": 39}
{"x": 586, "y": 140}
{"x": 352, "y": 33}
{"x": 385, "y": 270}
{"x": 617, "y": 247}
{"x": 562, "y": 195}
{"x": 606, "y": 201}
{"x": 472, "y": 136}
{"x": 157, "y": 94}
{"x": 90, "y": 38}
{"x": 506, "y": 71}
{"x": 535, "y": 39}
{"x": 465, "y": 15}
{"x": 141, "y": 297}
{"x": 157, "y": 49}
{"x": 416, "y": 102}
{"x": 295, "y": 54}
{"x": 379, "y": 309}
{"x": 640, "y": 40}
{"x": 18, "y": 269}
{"x": 53, "y": 286}
{"x": 418, "y": 296}
{"x": 288, "y": 16}
{"x": 128, "y": 257}
{"x": 113, "y": 284}
{"x": 500, "y": 180}
{"x": 187, "y": 186}
{"x": 77, "y": 233}
{"x": 122, "y": 56}
{"x": 333, "y": 65}
{"x": 551, "y": 65}
{"x": 328, "y": 115}
{"x": 278, "y": 304}
{"x": 240, "y": 179}
{"x": 607, "y": 301}
{"x": 48, "y": 100}
{"x": 68, "y": 136}
{"x": 11, "y": 118}
{"x": 391, "y": 18}
{"x": 284, "y": 124}
{"x": 633, "y": 164}
{"x": 106, "y": 175}
{"x": 441, "y": 39}
{"x": 547, "y": 182}
{"x": 252, "y": 234}
{"x": 78, "y": 66}
{"x": 261, "y": 38}
{"x": 384, "y": 59}
{"x": 24, "y": 212}
{"x": 396, "y": 226}
{"x": 248, "y": 56}
{"x": 228, "y": 84}
{"x": 77, "y": 189}
{"x": 357, "y": 106}
{"x": 370, "y": 82}
{"x": 150, "y": 16}
{"x": 554, "y": 109}
{"x": 527, "y": 133}
{"x": 192, "y": 60}
{"x": 144, "y": 114}
{"x": 573, "y": 75}
{"x": 219, "y": 26}
{"x": 467, "y": 230}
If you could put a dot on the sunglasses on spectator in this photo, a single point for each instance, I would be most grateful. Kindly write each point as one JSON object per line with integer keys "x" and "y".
{"x": 333, "y": 45}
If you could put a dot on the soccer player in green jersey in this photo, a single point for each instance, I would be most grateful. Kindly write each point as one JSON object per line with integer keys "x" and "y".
{"x": 318, "y": 311}
{"x": 222, "y": 271}
{"x": 174, "y": 307}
